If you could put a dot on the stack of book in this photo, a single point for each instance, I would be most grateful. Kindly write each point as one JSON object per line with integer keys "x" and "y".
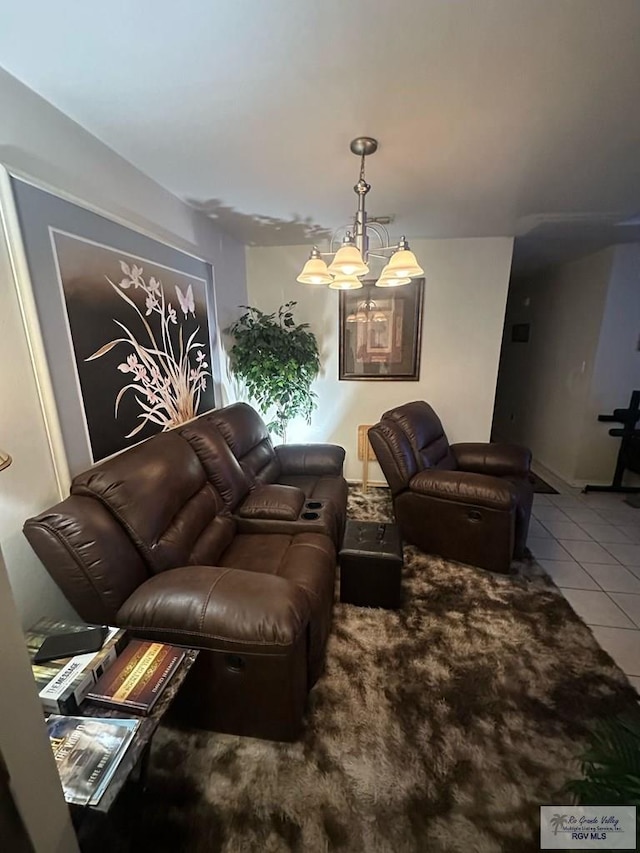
{"x": 64, "y": 683}
{"x": 137, "y": 679}
{"x": 88, "y": 751}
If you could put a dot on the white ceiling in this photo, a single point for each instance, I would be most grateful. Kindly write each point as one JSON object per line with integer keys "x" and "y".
{"x": 493, "y": 116}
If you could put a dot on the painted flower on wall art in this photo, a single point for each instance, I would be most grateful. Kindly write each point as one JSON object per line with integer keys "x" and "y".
{"x": 167, "y": 375}
{"x": 141, "y": 341}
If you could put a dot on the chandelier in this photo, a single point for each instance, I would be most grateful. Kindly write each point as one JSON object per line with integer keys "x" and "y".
{"x": 351, "y": 261}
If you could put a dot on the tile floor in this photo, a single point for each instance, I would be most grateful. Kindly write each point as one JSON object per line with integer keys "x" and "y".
{"x": 590, "y": 545}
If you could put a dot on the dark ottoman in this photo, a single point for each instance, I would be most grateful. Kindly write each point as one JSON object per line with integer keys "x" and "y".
{"x": 371, "y": 564}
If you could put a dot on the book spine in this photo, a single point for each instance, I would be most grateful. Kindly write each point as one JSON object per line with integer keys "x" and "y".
{"x": 85, "y": 686}
{"x": 125, "y": 705}
{"x": 64, "y": 693}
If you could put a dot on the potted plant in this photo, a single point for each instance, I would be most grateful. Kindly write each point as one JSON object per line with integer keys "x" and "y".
{"x": 277, "y": 360}
{"x": 611, "y": 764}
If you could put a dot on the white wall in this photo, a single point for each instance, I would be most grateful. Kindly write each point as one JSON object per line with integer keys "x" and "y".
{"x": 23, "y": 740}
{"x": 465, "y": 296}
{"x": 39, "y": 141}
{"x": 616, "y": 370}
{"x": 580, "y": 362}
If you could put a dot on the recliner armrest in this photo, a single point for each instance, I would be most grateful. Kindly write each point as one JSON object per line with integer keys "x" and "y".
{"x": 311, "y": 459}
{"x": 221, "y": 609}
{"x": 463, "y": 487}
{"x": 498, "y": 460}
{"x": 273, "y": 501}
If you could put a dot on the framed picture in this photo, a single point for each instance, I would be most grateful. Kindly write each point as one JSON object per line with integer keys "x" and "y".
{"x": 126, "y": 324}
{"x": 380, "y": 332}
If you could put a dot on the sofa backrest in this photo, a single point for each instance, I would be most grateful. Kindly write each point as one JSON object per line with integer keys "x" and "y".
{"x": 248, "y": 439}
{"x": 160, "y": 494}
{"x": 394, "y": 454}
{"x": 425, "y": 433}
{"x": 221, "y": 466}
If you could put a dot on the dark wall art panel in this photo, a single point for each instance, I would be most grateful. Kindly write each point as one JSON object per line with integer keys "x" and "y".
{"x": 127, "y": 322}
{"x": 140, "y": 336}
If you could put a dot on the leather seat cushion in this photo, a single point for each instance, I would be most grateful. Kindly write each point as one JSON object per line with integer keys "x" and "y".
{"x": 307, "y": 560}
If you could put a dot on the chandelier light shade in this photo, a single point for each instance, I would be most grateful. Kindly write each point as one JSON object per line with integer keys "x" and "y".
{"x": 345, "y": 282}
{"x": 353, "y": 258}
{"x": 315, "y": 270}
{"x": 389, "y": 279}
{"x": 403, "y": 264}
{"x": 392, "y": 281}
{"x": 348, "y": 261}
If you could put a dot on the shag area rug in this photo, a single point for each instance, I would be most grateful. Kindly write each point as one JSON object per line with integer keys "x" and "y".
{"x": 440, "y": 727}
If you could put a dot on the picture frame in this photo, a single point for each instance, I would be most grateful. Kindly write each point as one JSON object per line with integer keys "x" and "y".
{"x": 380, "y": 332}
{"x": 84, "y": 277}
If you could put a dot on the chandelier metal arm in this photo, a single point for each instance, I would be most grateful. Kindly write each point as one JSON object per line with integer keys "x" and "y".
{"x": 381, "y": 232}
{"x": 377, "y": 228}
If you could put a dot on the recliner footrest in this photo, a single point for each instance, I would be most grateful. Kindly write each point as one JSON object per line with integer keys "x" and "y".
{"x": 251, "y": 629}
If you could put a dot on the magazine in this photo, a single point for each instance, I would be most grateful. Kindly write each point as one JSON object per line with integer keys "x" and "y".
{"x": 87, "y": 751}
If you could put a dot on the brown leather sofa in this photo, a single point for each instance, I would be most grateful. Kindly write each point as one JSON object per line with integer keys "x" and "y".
{"x": 469, "y": 502}
{"x": 209, "y": 537}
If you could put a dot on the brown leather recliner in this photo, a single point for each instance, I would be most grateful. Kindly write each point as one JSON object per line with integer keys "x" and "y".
{"x": 198, "y": 537}
{"x": 469, "y": 502}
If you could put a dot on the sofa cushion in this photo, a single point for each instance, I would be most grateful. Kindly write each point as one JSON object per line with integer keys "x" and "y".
{"x": 160, "y": 494}
{"x": 222, "y": 467}
{"x": 424, "y": 430}
{"x": 215, "y": 608}
{"x": 466, "y": 488}
{"x": 314, "y": 459}
{"x": 273, "y": 501}
{"x": 248, "y": 438}
{"x": 394, "y": 453}
{"x": 306, "y": 560}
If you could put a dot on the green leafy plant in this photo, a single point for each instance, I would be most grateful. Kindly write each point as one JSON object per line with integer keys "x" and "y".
{"x": 611, "y": 765}
{"x": 277, "y": 360}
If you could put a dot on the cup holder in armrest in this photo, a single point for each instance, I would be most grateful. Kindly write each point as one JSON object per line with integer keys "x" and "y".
{"x": 313, "y": 504}
{"x": 310, "y": 516}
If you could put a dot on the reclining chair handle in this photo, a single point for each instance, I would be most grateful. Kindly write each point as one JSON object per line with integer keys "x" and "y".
{"x": 234, "y": 663}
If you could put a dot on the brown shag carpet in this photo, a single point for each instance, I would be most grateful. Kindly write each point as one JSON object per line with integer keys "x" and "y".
{"x": 440, "y": 727}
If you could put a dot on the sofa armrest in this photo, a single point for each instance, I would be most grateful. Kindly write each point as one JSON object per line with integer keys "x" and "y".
{"x": 273, "y": 501}
{"x": 219, "y": 609}
{"x": 311, "y": 459}
{"x": 462, "y": 487}
{"x": 497, "y": 460}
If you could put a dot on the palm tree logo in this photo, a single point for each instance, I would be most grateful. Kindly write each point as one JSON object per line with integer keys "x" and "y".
{"x": 557, "y": 822}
